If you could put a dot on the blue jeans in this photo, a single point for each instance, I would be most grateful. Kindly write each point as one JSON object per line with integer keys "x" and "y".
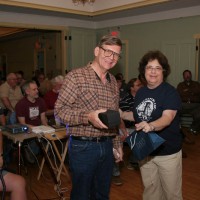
{"x": 91, "y": 166}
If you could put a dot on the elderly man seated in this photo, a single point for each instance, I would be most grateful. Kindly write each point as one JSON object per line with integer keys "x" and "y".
{"x": 51, "y": 97}
{"x": 10, "y": 94}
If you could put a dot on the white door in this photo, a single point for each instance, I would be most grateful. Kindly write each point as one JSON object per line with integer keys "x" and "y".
{"x": 181, "y": 56}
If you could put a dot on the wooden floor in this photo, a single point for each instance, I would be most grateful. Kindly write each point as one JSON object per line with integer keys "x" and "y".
{"x": 132, "y": 184}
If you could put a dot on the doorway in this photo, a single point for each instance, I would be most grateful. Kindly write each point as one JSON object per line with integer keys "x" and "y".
{"x": 24, "y": 54}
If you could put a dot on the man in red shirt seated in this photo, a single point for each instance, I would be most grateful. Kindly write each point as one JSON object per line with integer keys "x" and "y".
{"x": 30, "y": 111}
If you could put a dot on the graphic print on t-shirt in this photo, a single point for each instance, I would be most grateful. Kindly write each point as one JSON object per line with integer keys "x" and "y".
{"x": 145, "y": 109}
{"x": 33, "y": 112}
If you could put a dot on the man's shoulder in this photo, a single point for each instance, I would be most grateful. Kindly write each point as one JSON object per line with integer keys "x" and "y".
{"x": 49, "y": 94}
{"x": 181, "y": 84}
{"x": 80, "y": 69}
{"x": 79, "y": 73}
{"x": 4, "y": 86}
{"x": 195, "y": 83}
{"x": 21, "y": 103}
{"x": 40, "y": 99}
{"x": 127, "y": 96}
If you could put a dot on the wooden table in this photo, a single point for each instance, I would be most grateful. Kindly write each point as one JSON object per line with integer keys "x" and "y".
{"x": 18, "y": 139}
{"x": 52, "y": 137}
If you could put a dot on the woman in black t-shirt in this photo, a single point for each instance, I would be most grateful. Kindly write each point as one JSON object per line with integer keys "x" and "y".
{"x": 156, "y": 109}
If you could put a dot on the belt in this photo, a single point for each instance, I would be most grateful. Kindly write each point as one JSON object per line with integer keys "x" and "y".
{"x": 93, "y": 139}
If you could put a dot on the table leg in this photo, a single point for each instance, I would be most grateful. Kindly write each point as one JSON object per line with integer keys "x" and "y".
{"x": 42, "y": 163}
{"x": 61, "y": 159}
{"x": 47, "y": 159}
{"x": 19, "y": 157}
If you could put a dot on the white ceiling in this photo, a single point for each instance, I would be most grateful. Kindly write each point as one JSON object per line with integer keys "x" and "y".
{"x": 102, "y": 11}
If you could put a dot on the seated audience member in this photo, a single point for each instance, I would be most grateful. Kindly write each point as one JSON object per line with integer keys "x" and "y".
{"x": 121, "y": 85}
{"x": 30, "y": 111}
{"x": 10, "y": 94}
{"x": 127, "y": 104}
{"x": 44, "y": 85}
{"x": 51, "y": 96}
{"x": 20, "y": 78}
{"x": 189, "y": 92}
{"x": 14, "y": 184}
{"x": 39, "y": 77}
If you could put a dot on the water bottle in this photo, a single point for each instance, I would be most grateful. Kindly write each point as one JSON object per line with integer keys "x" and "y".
{"x": 12, "y": 118}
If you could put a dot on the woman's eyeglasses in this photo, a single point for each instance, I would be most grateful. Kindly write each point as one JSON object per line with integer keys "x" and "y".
{"x": 157, "y": 68}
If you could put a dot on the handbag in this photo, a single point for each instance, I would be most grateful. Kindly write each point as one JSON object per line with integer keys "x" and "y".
{"x": 142, "y": 144}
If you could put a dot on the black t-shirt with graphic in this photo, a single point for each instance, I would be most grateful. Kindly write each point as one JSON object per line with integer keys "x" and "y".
{"x": 149, "y": 106}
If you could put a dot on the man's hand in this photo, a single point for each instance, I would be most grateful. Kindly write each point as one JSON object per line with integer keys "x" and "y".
{"x": 93, "y": 118}
{"x": 120, "y": 155}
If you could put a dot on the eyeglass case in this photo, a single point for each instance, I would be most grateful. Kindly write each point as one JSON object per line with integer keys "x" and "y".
{"x": 111, "y": 118}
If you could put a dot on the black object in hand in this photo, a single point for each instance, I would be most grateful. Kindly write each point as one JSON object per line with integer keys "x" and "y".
{"x": 111, "y": 118}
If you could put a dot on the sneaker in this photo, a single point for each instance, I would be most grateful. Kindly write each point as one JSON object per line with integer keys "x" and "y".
{"x": 133, "y": 166}
{"x": 116, "y": 180}
{"x": 130, "y": 166}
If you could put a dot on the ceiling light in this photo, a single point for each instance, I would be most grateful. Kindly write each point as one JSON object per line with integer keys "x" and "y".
{"x": 77, "y": 2}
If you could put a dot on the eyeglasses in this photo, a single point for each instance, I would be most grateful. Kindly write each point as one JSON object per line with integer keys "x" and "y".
{"x": 13, "y": 79}
{"x": 108, "y": 53}
{"x": 157, "y": 68}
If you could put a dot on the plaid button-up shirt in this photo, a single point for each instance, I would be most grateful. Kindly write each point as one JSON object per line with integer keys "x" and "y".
{"x": 81, "y": 93}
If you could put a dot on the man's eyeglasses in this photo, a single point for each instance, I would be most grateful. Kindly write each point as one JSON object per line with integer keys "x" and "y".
{"x": 157, "y": 68}
{"x": 108, "y": 53}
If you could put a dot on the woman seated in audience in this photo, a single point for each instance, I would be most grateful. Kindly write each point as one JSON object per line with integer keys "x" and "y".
{"x": 13, "y": 183}
{"x": 51, "y": 96}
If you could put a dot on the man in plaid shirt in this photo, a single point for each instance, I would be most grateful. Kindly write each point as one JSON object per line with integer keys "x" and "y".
{"x": 85, "y": 93}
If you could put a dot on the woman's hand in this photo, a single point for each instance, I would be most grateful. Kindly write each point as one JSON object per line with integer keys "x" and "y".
{"x": 118, "y": 154}
{"x": 144, "y": 126}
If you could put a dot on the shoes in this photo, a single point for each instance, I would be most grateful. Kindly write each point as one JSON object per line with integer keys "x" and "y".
{"x": 133, "y": 166}
{"x": 116, "y": 180}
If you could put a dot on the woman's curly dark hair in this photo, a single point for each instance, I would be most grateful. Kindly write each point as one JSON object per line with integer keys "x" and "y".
{"x": 154, "y": 55}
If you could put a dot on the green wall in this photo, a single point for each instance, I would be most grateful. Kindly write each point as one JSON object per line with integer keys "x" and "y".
{"x": 152, "y": 35}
